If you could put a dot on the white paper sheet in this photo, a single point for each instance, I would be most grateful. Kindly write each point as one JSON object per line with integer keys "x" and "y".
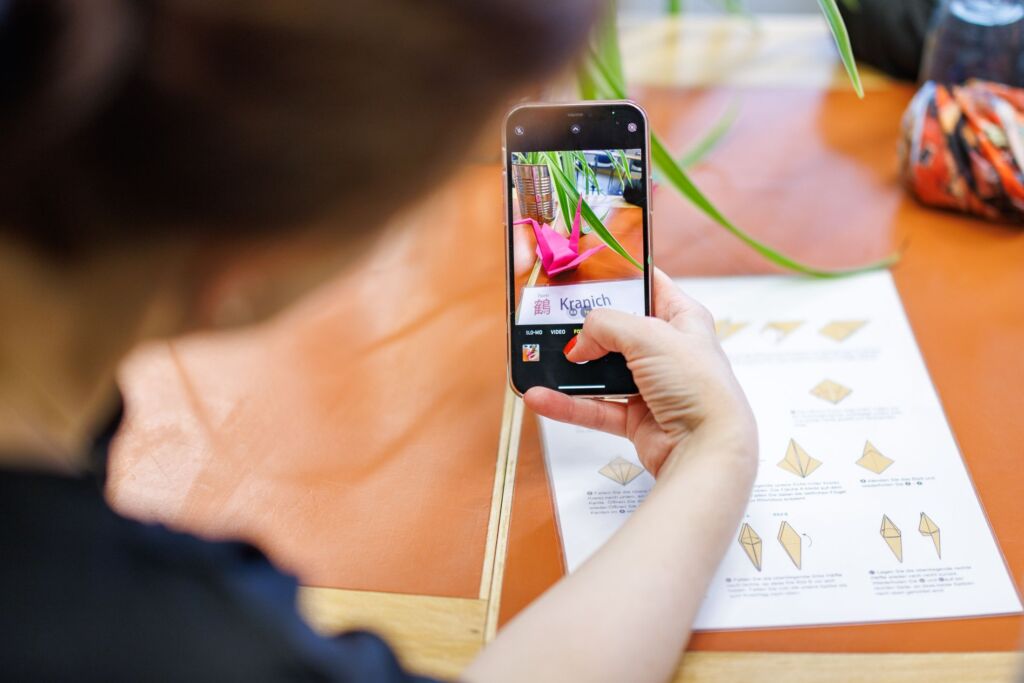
{"x": 568, "y": 304}
{"x": 854, "y": 450}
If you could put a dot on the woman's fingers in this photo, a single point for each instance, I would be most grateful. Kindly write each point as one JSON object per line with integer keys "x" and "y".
{"x": 668, "y": 298}
{"x": 586, "y": 412}
{"x": 673, "y": 305}
{"x": 606, "y": 330}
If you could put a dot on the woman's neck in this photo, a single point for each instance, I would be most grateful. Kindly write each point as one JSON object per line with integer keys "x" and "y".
{"x": 65, "y": 328}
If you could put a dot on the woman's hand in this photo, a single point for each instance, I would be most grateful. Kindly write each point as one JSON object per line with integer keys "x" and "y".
{"x": 693, "y": 428}
{"x": 688, "y": 393}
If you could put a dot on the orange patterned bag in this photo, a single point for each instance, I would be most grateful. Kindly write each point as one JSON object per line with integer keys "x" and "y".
{"x": 963, "y": 148}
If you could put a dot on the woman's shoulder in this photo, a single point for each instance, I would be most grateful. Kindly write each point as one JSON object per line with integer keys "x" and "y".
{"x": 90, "y": 594}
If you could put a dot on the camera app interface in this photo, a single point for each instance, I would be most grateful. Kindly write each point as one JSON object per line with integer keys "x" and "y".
{"x": 577, "y": 244}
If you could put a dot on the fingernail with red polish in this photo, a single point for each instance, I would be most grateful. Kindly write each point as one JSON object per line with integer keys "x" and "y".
{"x": 569, "y": 347}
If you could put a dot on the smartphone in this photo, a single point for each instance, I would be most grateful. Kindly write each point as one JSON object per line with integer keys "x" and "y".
{"x": 578, "y": 224}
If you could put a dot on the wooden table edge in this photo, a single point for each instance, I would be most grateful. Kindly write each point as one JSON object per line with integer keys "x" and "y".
{"x": 439, "y": 636}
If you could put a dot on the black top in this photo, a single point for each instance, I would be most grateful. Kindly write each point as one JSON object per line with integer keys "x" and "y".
{"x": 86, "y": 594}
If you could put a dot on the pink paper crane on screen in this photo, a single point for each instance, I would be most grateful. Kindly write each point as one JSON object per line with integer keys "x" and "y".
{"x": 558, "y": 253}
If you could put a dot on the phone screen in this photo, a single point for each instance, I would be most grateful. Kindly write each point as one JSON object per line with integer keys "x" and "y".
{"x": 578, "y": 237}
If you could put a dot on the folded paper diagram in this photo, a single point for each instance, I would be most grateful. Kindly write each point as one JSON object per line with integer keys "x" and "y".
{"x": 558, "y": 253}
{"x": 830, "y": 391}
{"x": 621, "y": 471}
{"x": 726, "y": 328}
{"x": 928, "y": 528}
{"x": 873, "y": 460}
{"x": 782, "y": 328}
{"x": 893, "y": 538}
{"x": 798, "y": 461}
{"x": 840, "y": 330}
{"x": 751, "y": 544}
{"x": 791, "y": 543}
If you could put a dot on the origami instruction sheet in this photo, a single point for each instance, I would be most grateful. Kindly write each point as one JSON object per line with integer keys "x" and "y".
{"x": 863, "y": 509}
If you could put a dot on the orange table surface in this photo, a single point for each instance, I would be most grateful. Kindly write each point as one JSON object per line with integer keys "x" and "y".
{"x": 354, "y": 437}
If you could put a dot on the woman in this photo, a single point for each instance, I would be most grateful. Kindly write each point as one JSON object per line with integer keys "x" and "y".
{"x": 151, "y": 147}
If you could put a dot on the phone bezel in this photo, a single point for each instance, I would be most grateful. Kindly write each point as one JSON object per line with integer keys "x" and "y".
{"x": 566, "y": 109}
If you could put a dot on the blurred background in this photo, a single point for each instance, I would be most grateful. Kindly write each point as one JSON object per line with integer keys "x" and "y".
{"x": 713, "y": 6}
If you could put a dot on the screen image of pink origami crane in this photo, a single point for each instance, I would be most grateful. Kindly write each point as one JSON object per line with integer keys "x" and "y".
{"x": 558, "y": 253}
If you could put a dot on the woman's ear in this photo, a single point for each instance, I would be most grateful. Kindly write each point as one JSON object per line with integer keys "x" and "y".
{"x": 225, "y": 287}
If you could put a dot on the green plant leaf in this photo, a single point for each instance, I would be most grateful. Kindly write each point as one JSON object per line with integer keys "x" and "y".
{"x": 563, "y": 199}
{"x": 525, "y": 158}
{"x": 703, "y": 147}
{"x": 678, "y": 178}
{"x": 579, "y": 162}
{"x": 607, "y": 39}
{"x": 842, "y": 38}
{"x": 675, "y": 6}
{"x": 737, "y": 7}
{"x": 585, "y": 83}
{"x": 563, "y": 205}
{"x": 587, "y": 212}
{"x": 674, "y": 175}
{"x": 590, "y": 179}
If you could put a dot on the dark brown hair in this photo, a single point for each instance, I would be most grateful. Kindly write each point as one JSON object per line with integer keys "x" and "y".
{"x": 124, "y": 119}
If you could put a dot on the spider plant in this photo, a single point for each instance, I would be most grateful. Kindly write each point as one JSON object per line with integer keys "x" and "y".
{"x": 526, "y": 157}
{"x": 620, "y": 164}
{"x": 601, "y": 77}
